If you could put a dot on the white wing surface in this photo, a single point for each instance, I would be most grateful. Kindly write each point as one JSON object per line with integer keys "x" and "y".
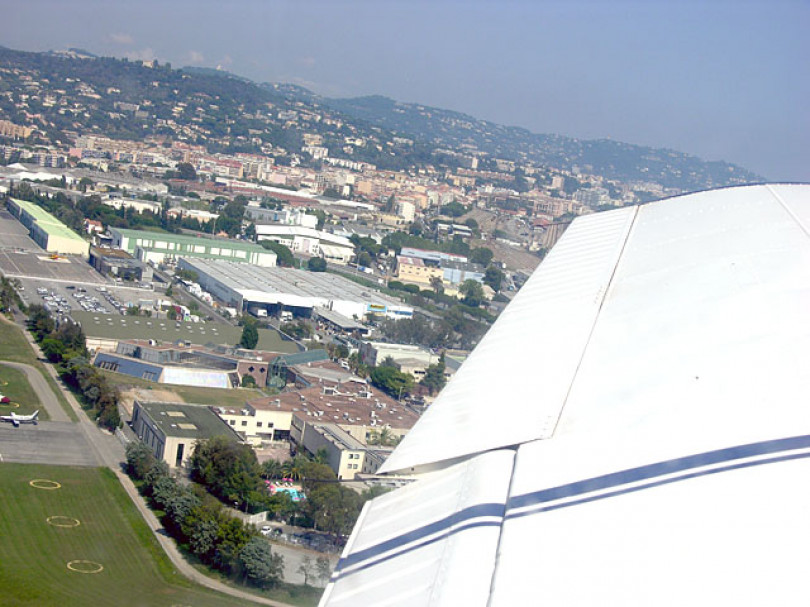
{"x": 634, "y": 429}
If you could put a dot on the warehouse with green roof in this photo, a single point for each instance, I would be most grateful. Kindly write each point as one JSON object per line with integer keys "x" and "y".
{"x": 159, "y": 247}
{"x": 47, "y": 231}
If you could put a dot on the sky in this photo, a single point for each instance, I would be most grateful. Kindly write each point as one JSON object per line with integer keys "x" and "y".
{"x": 723, "y": 80}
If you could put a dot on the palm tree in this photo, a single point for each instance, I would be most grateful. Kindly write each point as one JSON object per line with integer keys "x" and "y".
{"x": 437, "y": 284}
{"x": 272, "y": 469}
{"x": 385, "y": 437}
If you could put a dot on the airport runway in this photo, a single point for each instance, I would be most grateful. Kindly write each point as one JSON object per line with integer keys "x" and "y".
{"x": 57, "y": 443}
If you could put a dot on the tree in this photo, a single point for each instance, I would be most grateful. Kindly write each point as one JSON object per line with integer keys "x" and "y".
{"x": 284, "y": 256}
{"x": 229, "y": 470}
{"x": 40, "y": 321}
{"x": 316, "y": 264}
{"x": 185, "y": 170}
{"x": 388, "y": 361}
{"x": 250, "y": 336}
{"x": 434, "y": 379}
{"x": 53, "y": 349}
{"x": 323, "y": 569}
{"x": 383, "y": 437}
{"x": 248, "y": 381}
{"x": 260, "y": 565}
{"x": 493, "y": 278}
{"x": 139, "y": 459}
{"x": 472, "y": 293}
{"x": 364, "y": 259}
{"x": 437, "y": 284}
{"x": 299, "y": 330}
{"x": 481, "y": 255}
{"x": 392, "y": 381}
{"x": 453, "y": 209}
{"x": 307, "y": 568}
{"x": 271, "y": 469}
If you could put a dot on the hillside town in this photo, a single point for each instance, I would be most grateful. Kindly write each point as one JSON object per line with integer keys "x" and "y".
{"x": 276, "y": 297}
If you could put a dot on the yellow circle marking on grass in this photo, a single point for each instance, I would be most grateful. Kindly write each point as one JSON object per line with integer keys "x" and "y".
{"x": 81, "y": 566}
{"x": 42, "y": 483}
{"x": 63, "y": 521}
{"x": 11, "y": 404}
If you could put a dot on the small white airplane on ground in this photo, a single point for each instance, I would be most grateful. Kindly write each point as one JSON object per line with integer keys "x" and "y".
{"x": 21, "y": 419}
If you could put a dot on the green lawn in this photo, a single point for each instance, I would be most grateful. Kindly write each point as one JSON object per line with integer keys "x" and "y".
{"x": 14, "y": 384}
{"x": 14, "y": 347}
{"x": 34, "y": 555}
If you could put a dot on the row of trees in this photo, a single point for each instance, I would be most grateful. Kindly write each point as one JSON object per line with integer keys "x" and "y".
{"x": 200, "y": 524}
{"x": 65, "y": 346}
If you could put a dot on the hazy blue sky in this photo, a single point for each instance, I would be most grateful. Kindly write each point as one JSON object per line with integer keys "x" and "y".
{"x": 725, "y": 80}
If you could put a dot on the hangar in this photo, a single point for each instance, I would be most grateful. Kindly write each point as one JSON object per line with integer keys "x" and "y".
{"x": 267, "y": 291}
{"x": 46, "y": 230}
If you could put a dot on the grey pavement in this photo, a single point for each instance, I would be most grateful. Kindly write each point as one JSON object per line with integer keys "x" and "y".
{"x": 54, "y": 443}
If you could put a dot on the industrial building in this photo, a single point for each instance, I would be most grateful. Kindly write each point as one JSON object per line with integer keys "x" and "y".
{"x": 172, "y": 429}
{"x": 46, "y": 230}
{"x": 373, "y": 353}
{"x": 186, "y": 365}
{"x": 120, "y": 264}
{"x": 308, "y": 241}
{"x": 159, "y": 247}
{"x": 267, "y": 291}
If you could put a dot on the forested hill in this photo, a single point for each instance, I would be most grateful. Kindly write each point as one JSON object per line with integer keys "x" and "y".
{"x": 612, "y": 159}
{"x": 72, "y": 92}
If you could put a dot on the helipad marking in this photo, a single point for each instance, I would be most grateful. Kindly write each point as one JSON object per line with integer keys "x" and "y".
{"x": 82, "y": 566}
{"x": 63, "y": 521}
{"x": 43, "y": 483}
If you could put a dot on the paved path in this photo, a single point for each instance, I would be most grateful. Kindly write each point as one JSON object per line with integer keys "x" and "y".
{"x": 44, "y": 393}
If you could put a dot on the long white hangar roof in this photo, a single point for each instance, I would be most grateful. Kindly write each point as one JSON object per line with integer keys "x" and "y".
{"x": 634, "y": 429}
{"x": 287, "y": 286}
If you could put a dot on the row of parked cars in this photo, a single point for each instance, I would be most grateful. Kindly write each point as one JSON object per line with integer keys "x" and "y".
{"x": 53, "y": 301}
{"x": 89, "y": 303}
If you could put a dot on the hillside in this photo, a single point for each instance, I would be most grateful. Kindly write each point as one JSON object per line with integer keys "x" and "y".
{"x": 612, "y": 159}
{"x": 67, "y": 93}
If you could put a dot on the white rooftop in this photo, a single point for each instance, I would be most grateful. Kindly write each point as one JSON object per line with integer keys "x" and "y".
{"x": 633, "y": 430}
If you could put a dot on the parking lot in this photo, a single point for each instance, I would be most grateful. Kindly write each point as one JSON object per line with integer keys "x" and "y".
{"x": 64, "y": 283}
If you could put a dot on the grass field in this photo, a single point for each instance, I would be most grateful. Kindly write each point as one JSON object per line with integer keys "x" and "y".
{"x": 34, "y": 555}
{"x": 14, "y": 384}
{"x": 14, "y": 347}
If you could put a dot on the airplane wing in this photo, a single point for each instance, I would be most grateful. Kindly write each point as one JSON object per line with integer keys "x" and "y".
{"x": 632, "y": 430}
